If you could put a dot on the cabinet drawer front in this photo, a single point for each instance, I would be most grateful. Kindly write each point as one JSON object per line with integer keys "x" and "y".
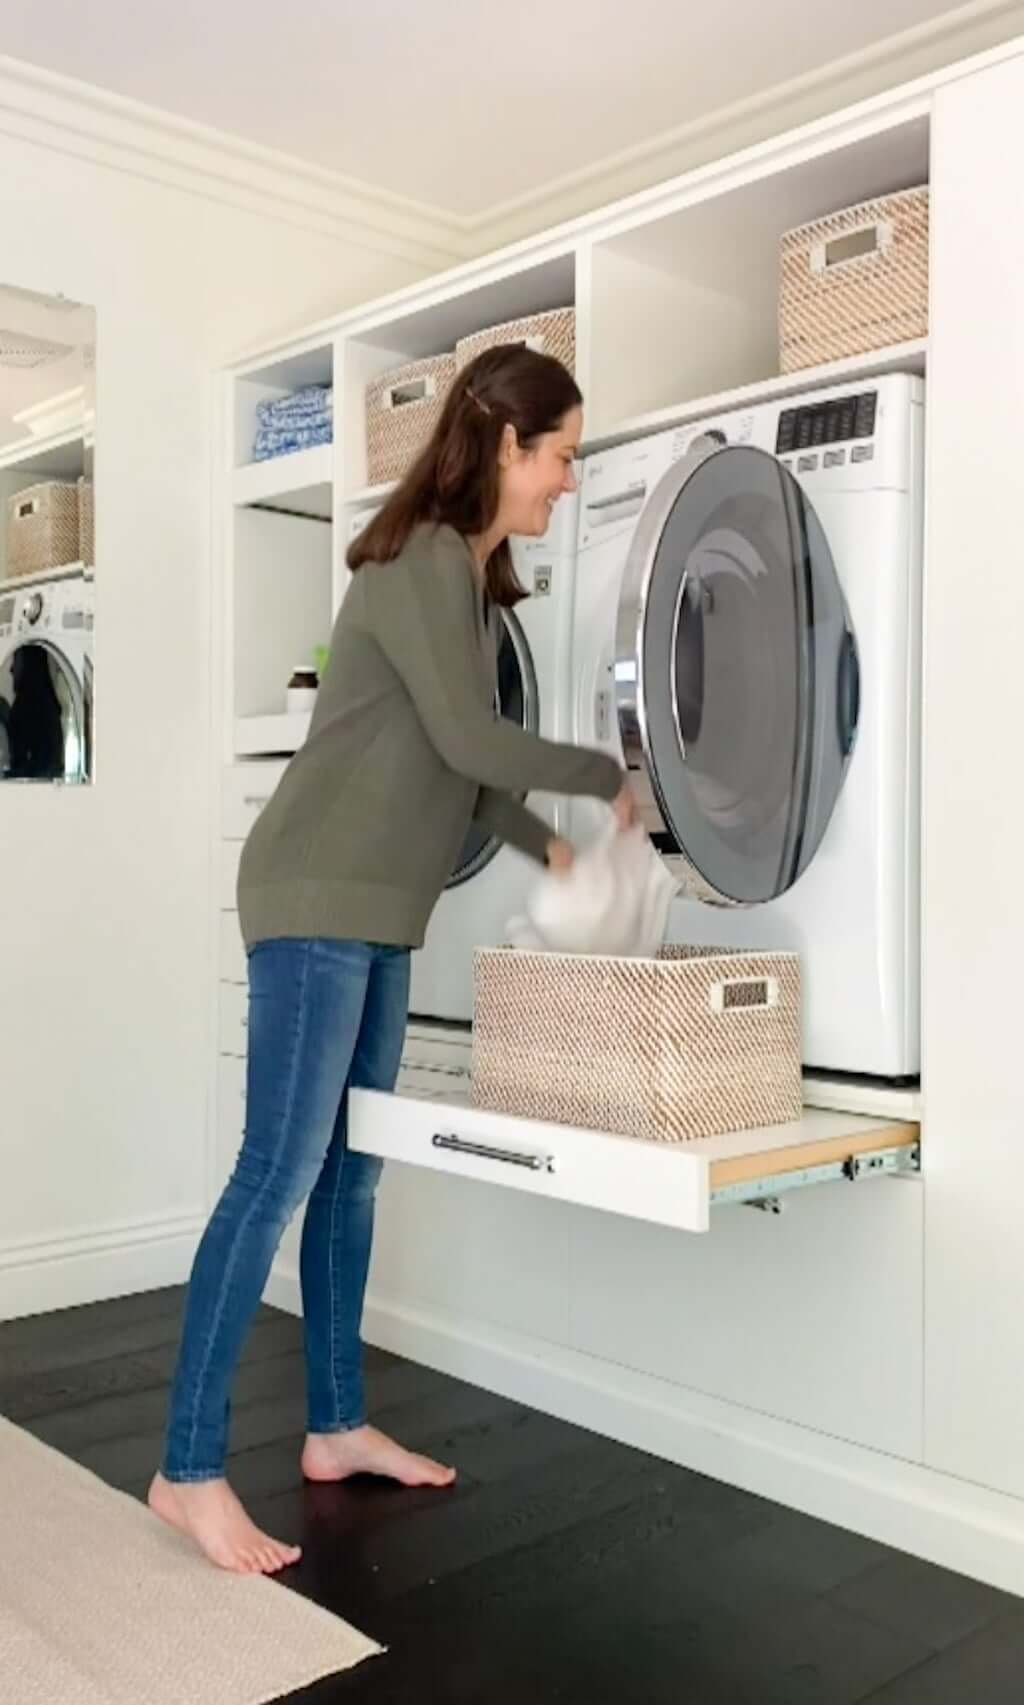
{"x": 246, "y": 790}
{"x": 232, "y": 964}
{"x": 229, "y": 853}
{"x": 668, "y": 1184}
{"x": 234, "y": 1020}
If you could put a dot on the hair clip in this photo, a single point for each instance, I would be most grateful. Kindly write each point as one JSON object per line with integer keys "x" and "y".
{"x": 483, "y": 407}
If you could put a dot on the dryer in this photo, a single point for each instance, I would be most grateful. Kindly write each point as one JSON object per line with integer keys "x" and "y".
{"x": 46, "y": 679}
{"x": 746, "y": 635}
{"x": 489, "y": 882}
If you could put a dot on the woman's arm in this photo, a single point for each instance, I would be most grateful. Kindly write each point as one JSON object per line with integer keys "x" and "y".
{"x": 505, "y": 816}
{"x": 424, "y": 619}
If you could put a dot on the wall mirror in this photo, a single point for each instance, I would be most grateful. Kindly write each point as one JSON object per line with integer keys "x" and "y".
{"x": 47, "y": 556}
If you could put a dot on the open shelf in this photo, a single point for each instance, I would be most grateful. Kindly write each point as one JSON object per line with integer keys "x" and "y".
{"x": 532, "y": 287}
{"x": 271, "y": 382}
{"x": 369, "y": 496}
{"x": 270, "y": 736}
{"x": 898, "y": 358}
{"x": 685, "y": 303}
{"x": 300, "y": 483}
{"x": 282, "y": 611}
{"x": 45, "y": 577}
{"x": 402, "y": 333}
{"x": 58, "y": 457}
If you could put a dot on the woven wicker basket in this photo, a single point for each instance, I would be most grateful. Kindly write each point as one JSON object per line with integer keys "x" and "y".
{"x": 402, "y": 409}
{"x": 86, "y": 531}
{"x": 695, "y": 1042}
{"x": 551, "y": 334}
{"x": 42, "y": 528}
{"x": 854, "y": 282}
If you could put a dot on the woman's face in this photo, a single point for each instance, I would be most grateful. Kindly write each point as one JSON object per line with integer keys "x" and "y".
{"x": 534, "y": 478}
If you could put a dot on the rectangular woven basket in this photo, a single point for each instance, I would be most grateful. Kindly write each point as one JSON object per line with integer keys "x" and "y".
{"x": 553, "y": 333}
{"x": 693, "y": 1043}
{"x": 854, "y": 281}
{"x": 86, "y": 543}
{"x": 402, "y": 409}
{"x": 42, "y": 528}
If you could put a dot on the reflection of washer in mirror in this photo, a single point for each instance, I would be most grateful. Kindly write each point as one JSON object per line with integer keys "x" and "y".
{"x": 517, "y": 700}
{"x": 44, "y": 635}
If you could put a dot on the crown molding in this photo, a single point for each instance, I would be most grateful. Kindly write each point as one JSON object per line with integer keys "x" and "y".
{"x": 962, "y": 34}
{"x": 124, "y": 135}
{"x": 109, "y": 130}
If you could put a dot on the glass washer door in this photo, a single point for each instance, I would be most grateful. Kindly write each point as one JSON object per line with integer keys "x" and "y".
{"x": 736, "y": 672}
{"x": 42, "y": 721}
{"x": 516, "y": 699}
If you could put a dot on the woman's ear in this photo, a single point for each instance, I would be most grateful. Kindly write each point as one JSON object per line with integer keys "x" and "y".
{"x": 508, "y": 449}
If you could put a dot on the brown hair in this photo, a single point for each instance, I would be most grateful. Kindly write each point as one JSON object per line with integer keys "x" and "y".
{"x": 454, "y": 480}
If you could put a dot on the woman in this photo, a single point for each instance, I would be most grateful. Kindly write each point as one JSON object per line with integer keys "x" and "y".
{"x": 336, "y": 885}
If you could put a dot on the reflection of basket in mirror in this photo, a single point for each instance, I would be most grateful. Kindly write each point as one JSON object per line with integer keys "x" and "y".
{"x": 42, "y": 528}
{"x": 86, "y": 541}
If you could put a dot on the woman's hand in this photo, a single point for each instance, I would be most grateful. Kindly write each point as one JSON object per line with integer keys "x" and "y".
{"x": 560, "y": 854}
{"x": 625, "y": 807}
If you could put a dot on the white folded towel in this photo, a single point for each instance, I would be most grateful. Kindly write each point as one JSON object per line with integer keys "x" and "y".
{"x": 613, "y": 900}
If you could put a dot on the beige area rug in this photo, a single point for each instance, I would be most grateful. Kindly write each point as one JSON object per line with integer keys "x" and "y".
{"x": 100, "y": 1604}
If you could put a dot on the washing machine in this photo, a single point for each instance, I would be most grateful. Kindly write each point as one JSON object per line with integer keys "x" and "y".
{"x": 489, "y": 882}
{"x": 46, "y": 632}
{"x": 746, "y": 637}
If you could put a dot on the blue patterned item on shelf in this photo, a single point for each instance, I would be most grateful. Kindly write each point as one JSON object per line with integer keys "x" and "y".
{"x": 298, "y": 422}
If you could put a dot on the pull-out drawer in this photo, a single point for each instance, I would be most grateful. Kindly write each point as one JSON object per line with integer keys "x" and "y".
{"x": 246, "y": 790}
{"x": 672, "y": 1184}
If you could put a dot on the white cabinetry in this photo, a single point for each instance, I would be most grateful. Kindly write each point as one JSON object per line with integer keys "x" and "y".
{"x": 245, "y": 789}
{"x": 973, "y": 798}
{"x": 859, "y": 1354}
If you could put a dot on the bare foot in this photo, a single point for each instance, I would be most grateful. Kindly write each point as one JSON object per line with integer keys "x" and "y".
{"x": 334, "y": 1456}
{"x": 210, "y": 1513}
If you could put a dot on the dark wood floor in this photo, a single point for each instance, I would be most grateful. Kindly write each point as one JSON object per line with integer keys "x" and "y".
{"x": 563, "y": 1567}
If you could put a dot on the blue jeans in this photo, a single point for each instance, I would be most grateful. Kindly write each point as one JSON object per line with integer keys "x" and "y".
{"x": 323, "y": 1015}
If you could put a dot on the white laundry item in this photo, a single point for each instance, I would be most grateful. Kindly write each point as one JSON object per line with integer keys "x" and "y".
{"x": 613, "y": 900}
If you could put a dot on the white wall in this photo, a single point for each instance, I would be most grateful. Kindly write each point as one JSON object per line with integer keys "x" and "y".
{"x": 105, "y": 966}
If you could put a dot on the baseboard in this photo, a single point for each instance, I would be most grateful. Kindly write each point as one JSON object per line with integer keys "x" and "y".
{"x": 37, "y": 1275}
{"x": 948, "y": 1522}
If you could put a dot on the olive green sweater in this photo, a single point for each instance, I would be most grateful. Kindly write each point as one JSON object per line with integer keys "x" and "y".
{"x": 405, "y": 750}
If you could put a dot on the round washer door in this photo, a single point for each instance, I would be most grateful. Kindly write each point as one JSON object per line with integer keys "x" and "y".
{"x": 42, "y": 717}
{"x": 516, "y": 699}
{"x": 736, "y": 673}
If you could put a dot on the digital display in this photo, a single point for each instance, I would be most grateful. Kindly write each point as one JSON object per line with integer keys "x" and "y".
{"x": 833, "y": 422}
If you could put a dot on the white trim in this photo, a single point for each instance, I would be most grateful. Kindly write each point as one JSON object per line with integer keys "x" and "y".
{"x": 39, "y": 1274}
{"x": 125, "y": 135}
{"x": 901, "y": 64}
{"x": 948, "y": 1522}
{"x": 92, "y": 124}
{"x": 718, "y": 172}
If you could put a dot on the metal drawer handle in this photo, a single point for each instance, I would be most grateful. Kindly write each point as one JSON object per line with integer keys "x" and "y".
{"x": 484, "y": 1151}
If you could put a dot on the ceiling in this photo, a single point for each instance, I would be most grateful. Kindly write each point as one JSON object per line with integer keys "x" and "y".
{"x": 466, "y": 106}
